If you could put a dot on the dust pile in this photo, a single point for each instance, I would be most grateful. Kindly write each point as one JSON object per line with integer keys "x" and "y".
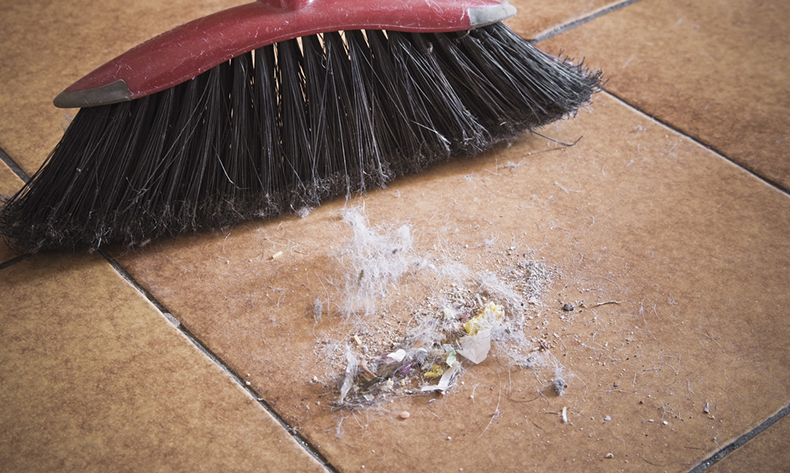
{"x": 413, "y": 322}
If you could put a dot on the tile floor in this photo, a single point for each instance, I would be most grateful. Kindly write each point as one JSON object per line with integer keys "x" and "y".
{"x": 666, "y": 227}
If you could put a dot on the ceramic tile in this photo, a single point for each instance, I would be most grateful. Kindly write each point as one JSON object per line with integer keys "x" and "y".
{"x": 674, "y": 258}
{"x": 534, "y": 18}
{"x": 50, "y": 44}
{"x": 9, "y": 184}
{"x": 767, "y": 452}
{"x": 95, "y": 379}
{"x": 715, "y": 70}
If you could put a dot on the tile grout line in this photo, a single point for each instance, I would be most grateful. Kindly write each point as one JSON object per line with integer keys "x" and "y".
{"x": 12, "y": 261}
{"x": 20, "y": 173}
{"x": 298, "y": 437}
{"x": 740, "y": 441}
{"x": 699, "y": 142}
{"x": 580, "y": 21}
{"x": 573, "y": 24}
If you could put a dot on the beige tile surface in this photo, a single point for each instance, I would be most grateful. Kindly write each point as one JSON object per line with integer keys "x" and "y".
{"x": 93, "y": 378}
{"x": 716, "y": 70}
{"x": 688, "y": 249}
{"x": 686, "y": 252}
{"x": 9, "y": 184}
{"x": 47, "y": 45}
{"x": 535, "y": 18}
{"x": 768, "y": 452}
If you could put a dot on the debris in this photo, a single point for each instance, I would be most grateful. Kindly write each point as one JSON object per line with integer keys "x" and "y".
{"x": 498, "y": 288}
{"x": 351, "y": 372}
{"x": 610, "y": 455}
{"x": 318, "y": 310}
{"x": 446, "y": 382}
{"x": 451, "y": 358}
{"x": 277, "y": 255}
{"x": 607, "y": 302}
{"x": 405, "y": 415}
{"x": 567, "y": 307}
{"x": 434, "y": 372}
{"x": 706, "y": 410}
{"x": 376, "y": 258}
{"x": 475, "y": 348}
{"x": 398, "y": 355}
{"x": 607, "y": 419}
{"x": 367, "y": 370}
{"x": 564, "y": 415}
{"x": 304, "y": 212}
{"x": 395, "y": 353}
{"x": 490, "y": 317}
{"x": 559, "y": 385}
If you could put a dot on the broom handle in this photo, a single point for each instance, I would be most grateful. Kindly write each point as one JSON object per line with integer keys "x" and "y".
{"x": 195, "y": 47}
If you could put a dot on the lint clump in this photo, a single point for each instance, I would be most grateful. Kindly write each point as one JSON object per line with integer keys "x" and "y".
{"x": 376, "y": 259}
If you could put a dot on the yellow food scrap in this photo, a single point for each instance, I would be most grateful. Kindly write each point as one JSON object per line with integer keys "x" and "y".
{"x": 434, "y": 372}
{"x": 488, "y": 317}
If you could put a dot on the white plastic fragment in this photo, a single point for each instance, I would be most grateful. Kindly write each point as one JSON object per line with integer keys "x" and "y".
{"x": 351, "y": 372}
{"x": 398, "y": 355}
{"x": 475, "y": 348}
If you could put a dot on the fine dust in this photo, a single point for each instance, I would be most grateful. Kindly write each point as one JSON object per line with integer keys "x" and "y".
{"x": 410, "y": 323}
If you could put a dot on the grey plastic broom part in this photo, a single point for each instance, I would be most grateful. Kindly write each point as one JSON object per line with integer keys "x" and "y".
{"x": 114, "y": 92}
{"x": 489, "y": 15}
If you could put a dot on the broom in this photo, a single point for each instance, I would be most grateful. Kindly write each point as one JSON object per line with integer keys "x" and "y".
{"x": 276, "y": 105}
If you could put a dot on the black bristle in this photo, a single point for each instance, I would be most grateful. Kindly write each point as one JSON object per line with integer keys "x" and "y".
{"x": 266, "y": 141}
{"x": 284, "y": 127}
